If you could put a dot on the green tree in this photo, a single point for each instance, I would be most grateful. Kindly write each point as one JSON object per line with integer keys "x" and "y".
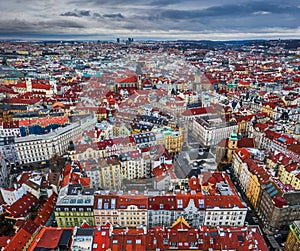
{"x": 57, "y": 163}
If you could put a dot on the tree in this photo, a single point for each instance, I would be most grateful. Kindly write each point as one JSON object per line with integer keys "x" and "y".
{"x": 57, "y": 163}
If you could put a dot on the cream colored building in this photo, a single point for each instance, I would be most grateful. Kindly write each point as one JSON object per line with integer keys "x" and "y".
{"x": 132, "y": 210}
{"x": 34, "y": 148}
{"x": 290, "y": 174}
{"x": 105, "y": 173}
{"x": 211, "y": 129}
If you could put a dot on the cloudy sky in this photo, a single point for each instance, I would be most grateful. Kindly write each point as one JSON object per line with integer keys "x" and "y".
{"x": 153, "y": 19}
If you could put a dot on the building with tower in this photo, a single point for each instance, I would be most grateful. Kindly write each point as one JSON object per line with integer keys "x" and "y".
{"x": 139, "y": 74}
{"x": 28, "y": 84}
{"x": 232, "y": 145}
{"x": 9, "y": 158}
{"x": 205, "y": 99}
{"x": 129, "y": 83}
{"x": 230, "y": 86}
{"x": 197, "y": 82}
{"x": 226, "y": 147}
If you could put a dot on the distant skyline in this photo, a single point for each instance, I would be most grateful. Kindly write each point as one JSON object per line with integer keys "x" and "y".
{"x": 152, "y": 19}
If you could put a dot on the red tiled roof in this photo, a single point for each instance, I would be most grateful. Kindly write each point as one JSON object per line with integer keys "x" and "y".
{"x": 291, "y": 167}
{"x": 85, "y": 182}
{"x": 4, "y": 240}
{"x": 28, "y": 225}
{"x": 21, "y": 207}
{"x": 50, "y": 238}
{"x": 45, "y": 211}
{"x": 132, "y": 79}
{"x": 194, "y": 184}
{"x": 161, "y": 171}
{"x": 125, "y": 239}
{"x": 22, "y": 101}
{"x": 243, "y": 153}
{"x": 101, "y": 240}
{"x": 141, "y": 201}
{"x": 167, "y": 202}
{"x": 261, "y": 173}
{"x": 246, "y": 142}
{"x": 198, "y": 111}
{"x": 11, "y": 124}
{"x": 237, "y": 238}
{"x": 295, "y": 148}
{"x": 19, "y": 240}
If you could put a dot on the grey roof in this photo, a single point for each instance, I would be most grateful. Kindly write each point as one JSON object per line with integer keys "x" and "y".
{"x": 85, "y": 232}
{"x": 292, "y": 198}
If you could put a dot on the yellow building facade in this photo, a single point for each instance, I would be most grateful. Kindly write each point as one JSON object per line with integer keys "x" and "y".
{"x": 290, "y": 175}
{"x": 171, "y": 139}
{"x": 253, "y": 190}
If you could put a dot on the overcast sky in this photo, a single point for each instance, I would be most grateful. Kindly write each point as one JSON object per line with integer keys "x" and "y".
{"x": 153, "y": 19}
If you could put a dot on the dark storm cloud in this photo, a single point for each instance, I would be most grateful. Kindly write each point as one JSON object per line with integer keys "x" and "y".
{"x": 119, "y": 15}
{"x": 77, "y": 13}
{"x": 239, "y": 10}
{"x": 165, "y": 2}
{"x": 22, "y": 26}
{"x": 190, "y": 17}
{"x": 96, "y": 14}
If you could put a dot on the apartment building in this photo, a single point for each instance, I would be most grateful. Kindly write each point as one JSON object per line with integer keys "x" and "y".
{"x": 132, "y": 209}
{"x": 210, "y": 130}
{"x": 74, "y": 206}
{"x": 105, "y": 209}
{"x": 34, "y": 148}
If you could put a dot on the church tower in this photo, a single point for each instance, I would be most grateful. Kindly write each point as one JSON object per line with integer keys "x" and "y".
{"x": 205, "y": 100}
{"x": 197, "y": 81}
{"x": 52, "y": 82}
{"x": 223, "y": 84}
{"x": 28, "y": 84}
{"x": 232, "y": 145}
{"x": 139, "y": 73}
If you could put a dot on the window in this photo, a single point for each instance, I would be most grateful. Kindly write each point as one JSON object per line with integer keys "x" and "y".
{"x": 179, "y": 203}
{"x": 100, "y": 203}
{"x": 113, "y": 203}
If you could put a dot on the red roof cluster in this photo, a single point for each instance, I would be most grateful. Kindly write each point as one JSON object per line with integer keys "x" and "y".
{"x": 72, "y": 176}
{"x": 45, "y": 211}
{"x": 163, "y": 170}
{"x": 198, "y": 111}
{"x": 21, "y": 207}
{"x": 43, "y": 122}
{"x": 181, "y": 237}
